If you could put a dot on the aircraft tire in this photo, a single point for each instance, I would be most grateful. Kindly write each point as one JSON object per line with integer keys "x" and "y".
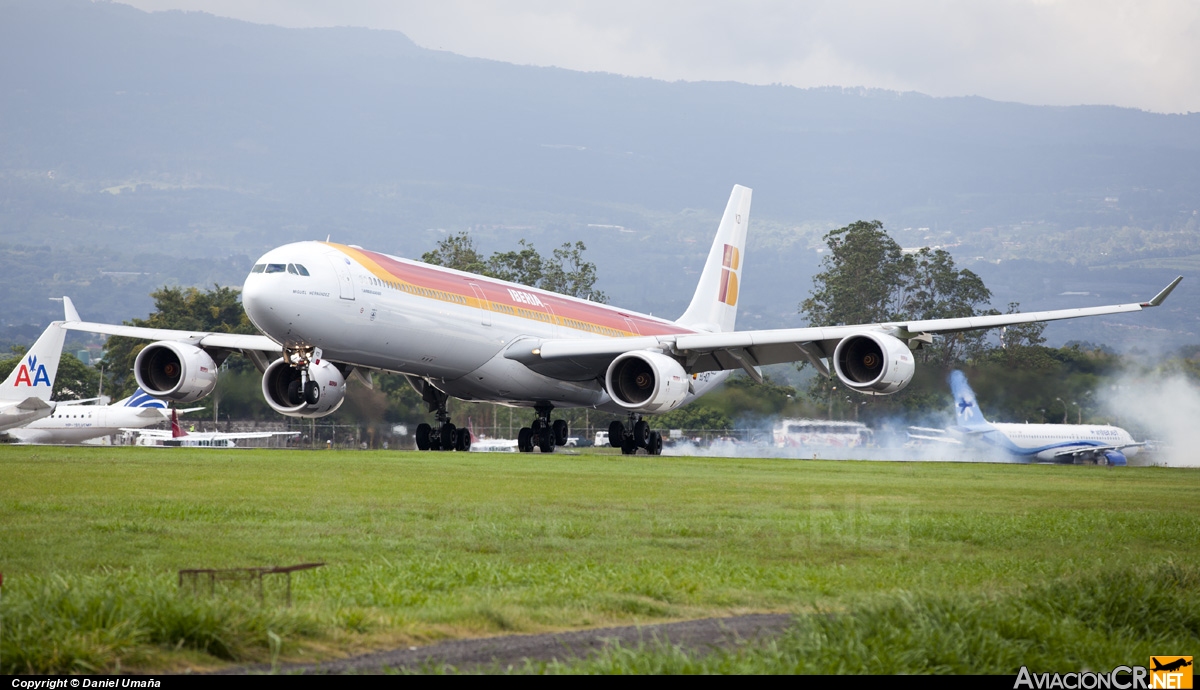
{"x": 654, "y": 443}
{"x": 561, "y": 430}
{"x": 294, "y": 394}
{"x": 641, "y": 433}
{"x": 449, "y": 436}
{"x": 628, "y": 447}
{"x": 422, "y": 435}
{"x": 525, "y": 440}
{"x": 464, "y": 440}
{"x": 616, "y": 434}
{"x": 546, "y": 440}
{"x": 312, "y": 392}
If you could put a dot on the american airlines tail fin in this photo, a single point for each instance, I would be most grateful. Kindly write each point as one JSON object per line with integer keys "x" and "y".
{"x": 34, "y": 375}
{"x": 714, "y": 306}
{"x": 966, "y": 409}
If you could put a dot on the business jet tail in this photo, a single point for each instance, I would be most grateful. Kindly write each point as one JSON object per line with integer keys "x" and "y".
{"x": 34, "y": 375}
{"x": 966, "y": 408}
{"x": 714, "y": 306}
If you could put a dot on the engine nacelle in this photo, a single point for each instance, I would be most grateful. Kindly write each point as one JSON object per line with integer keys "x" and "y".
{"x": 175, "y": 371}
{"x": 279, "y": 377}
{"x": 1115, "y": 457}
{"x": 874, "y": 362}
{"x": 646, "y": 382}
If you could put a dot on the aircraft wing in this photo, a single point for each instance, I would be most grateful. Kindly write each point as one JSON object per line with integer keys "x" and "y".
{"x": 228, "y": 341}
{"x": 579, "y": 359}
{"x": 255, "y": 434}
{"x": 1092, "y": 450}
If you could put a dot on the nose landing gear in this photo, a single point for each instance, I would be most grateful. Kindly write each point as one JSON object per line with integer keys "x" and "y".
{"x": 636, "y": 435}
{"x": 303, "y": 389}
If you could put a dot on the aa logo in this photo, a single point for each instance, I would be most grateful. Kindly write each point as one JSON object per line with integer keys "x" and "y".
{"x": 729, "y": 281}
{"x": 1171, "y": 672}
{"x": 30, "y": 373}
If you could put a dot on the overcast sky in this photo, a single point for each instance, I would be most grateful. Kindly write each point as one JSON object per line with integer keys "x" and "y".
{"x": 1137, "y": 53}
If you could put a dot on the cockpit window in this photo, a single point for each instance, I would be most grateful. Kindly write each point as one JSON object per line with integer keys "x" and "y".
{"x": 292, "y": 269}
{"x": 276, "y": 268}
{"x": 303, "y": 271}
{"x": 258, "y": 268}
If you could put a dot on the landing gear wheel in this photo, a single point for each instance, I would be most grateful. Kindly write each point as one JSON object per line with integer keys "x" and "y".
{"x": 525, "y": 440}
{"x": 654, "y": 443}
{"x": 546, "y": 440}
{"x": 448, "y": 436}
{"x": 560, "y": 432}
{"x": 536, "y": 427}
{"x": 464, "y": 440}
{"x": 312, "y": 392}
{"x": 628, "y": 447}
{"x": 641, "y": 433}
{"x": 616, "y": 434}
{"x": 422, "y": 434}
{"x": 294, "y": 395}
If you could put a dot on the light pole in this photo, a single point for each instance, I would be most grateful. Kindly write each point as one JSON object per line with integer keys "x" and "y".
{"x": 1064, "y": 402}
{"x": 1078, "y": 412}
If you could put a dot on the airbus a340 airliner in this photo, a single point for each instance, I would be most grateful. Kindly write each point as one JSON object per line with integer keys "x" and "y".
{"x": 330, "y": 311}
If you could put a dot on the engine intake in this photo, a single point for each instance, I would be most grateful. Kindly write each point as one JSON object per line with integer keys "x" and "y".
{"x": 175, "y": 371}
{"x": 874, "y": 362}
{"x": 278, "y": 389}
{"x": 646, "y": 382}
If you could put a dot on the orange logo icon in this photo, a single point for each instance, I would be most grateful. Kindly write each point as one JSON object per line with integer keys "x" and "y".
{"x": 1173, "y": 672}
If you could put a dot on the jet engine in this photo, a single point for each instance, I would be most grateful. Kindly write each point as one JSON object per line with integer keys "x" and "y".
{"x": 175, "y": 371}
{"x": 874, "y": 362}
{"x": 646, "y": 382}
{"x": 1115, "y": 457}
{"x": 287, "y": 392}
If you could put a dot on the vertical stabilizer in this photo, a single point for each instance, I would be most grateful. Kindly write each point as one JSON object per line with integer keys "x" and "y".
{"x": 141, "y": 398}
{"x": 966, "y": 408}
{"x": 34, "y": 375}
{"x": 176, "y": 430}
{"x": 714, "y": 306}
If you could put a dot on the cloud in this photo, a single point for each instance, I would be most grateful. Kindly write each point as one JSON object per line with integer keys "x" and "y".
{"x": 1055, "y": 52}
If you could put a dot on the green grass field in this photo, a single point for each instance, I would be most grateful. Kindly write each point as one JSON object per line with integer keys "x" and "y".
{"x": 423, "y": 546}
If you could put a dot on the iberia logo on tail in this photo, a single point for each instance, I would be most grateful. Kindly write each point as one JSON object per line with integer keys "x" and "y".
{"x": 729, "y": 281}
{"x": 30, "y": 373}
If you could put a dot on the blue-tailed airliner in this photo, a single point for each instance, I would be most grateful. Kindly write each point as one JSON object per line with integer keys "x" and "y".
{"x": 1101, "y": 444}
{"x": 331, "y": 311}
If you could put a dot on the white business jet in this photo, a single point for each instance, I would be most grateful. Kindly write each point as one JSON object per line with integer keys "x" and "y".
{"x": 329, "y": 311}
{"x": 25, "y": 394}
{"x": 74, "y": 423}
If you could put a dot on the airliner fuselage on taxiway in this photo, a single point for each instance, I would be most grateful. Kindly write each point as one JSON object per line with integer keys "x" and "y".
{"x": 1101, "y": 444}
{"x": 333, "y": 311}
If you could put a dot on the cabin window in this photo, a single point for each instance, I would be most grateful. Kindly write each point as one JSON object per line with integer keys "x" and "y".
{"x": 276, "y": 268}
{"x": 258, "y": 268}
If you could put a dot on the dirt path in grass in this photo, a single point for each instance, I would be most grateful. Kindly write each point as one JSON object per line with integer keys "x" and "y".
{"x": 700, "y": 635}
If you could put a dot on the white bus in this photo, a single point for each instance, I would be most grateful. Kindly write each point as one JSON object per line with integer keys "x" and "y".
{"x": 799, "y": 433}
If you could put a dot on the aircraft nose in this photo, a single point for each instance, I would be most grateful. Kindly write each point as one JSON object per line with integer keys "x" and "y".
{"x": 256, "y": 303}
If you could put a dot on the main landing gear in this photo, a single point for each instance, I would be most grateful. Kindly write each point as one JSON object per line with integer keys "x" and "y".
{"x": 543, "y": 434}
{"x": 443, "y": 435}
{"x": 636, "y": 435}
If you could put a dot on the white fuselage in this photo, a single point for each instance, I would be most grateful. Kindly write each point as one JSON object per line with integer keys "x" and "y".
{"x": 453, "y": 328}
{"x": 1045, "y": 441}
{"x": 79, "y": 423}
